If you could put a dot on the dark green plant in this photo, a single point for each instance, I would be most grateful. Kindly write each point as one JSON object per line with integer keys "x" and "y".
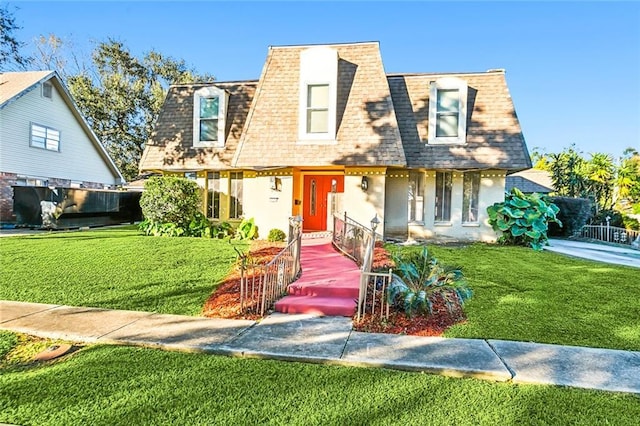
{"x": 420, "y": 277}
{"x": 523, "y": 219}
{"x": 247, "y": 230}
{"x": 276, "y": 235}
{"x": 222, "y": 230}
{"x": 200, "y": 226}
{"x": 573, "y": 213}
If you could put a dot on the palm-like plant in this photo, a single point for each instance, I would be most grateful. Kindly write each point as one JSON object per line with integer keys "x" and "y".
{"x": 420, "y": 278}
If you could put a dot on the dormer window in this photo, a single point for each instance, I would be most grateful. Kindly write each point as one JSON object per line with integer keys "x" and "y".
{"x": 209, "y": 114}
{"x": 318, "y": 93}
{"x": 448, "y": 111}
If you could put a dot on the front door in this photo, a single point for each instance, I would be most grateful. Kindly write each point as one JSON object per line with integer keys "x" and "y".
{"x": 316, "y": 189}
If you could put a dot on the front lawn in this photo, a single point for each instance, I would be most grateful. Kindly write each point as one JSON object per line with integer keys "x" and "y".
{"x": 521, "y": 294}
{"x": 115, "y": 268}
{"x": 104, "y": 385}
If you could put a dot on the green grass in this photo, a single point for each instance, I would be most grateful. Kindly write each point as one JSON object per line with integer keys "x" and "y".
{"x": 103, "y": 385}
{"x": 544, "y": 297}
{"x": 114, "y": 268}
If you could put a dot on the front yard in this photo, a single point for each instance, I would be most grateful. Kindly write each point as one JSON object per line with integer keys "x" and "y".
{"x": 519, "y": 294}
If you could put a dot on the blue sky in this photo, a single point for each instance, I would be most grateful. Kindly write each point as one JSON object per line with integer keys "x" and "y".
{"x": 573, "y": 68}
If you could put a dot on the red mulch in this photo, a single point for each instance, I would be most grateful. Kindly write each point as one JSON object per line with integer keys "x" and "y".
{"x": 224, "y": 302}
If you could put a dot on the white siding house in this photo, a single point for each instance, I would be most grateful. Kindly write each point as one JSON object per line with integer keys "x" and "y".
{"x": 45, "y": 141}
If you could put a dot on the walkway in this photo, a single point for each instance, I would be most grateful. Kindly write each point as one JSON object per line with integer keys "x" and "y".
{"x": 329, "y": 284}
{"x": 331, "y": 340}
{"x": 598, "y": 252}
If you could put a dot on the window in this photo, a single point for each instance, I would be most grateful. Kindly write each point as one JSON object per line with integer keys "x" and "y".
{"x": 470, "y": 195}
{"x": 209, "y": 117}
{"x": 213, "y": 198}
{"x": 191, "y": 175}
{"x": 318, "y": 108}
{"x": 45, "y": 137}
{"x": 443, "y": 197}
{"x": 448, "y": 111}
{"x": 415, "y": 198}
{"x": 47, "y": 90}
{"x": 235, "y": 207}
{"x": 318, "y": 94}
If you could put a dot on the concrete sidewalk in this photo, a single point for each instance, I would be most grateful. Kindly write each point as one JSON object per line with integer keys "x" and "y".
{"x": 331, "y": 340}
{"x": 598, "y": 252}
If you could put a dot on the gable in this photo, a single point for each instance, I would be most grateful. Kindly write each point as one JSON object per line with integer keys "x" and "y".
{"x": 79, "y": 155}
{"x": 171, "y": 144}
{"x": 366, "y": 132}
{"x": 493, "y": 135}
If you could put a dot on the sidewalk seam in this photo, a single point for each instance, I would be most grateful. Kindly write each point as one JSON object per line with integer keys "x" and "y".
{"x": 509, "y": 369}
{"x": 126, "y": 325}
{"x": 32, "y": 313}
{"x": 346, "y": 341}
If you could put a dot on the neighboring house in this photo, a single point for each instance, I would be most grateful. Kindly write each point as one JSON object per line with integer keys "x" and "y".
{"x": 427, "y": 153}
{"x": 45, "y": 141}
{"x": 530, "y": 181}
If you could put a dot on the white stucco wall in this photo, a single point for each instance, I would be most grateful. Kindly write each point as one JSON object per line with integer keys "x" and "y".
{"x": 361, "y": 205}
{"x": 396, "y": 207}
{"x": 269, "y": 208}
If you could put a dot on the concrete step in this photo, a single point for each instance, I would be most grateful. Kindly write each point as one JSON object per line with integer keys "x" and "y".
{"x": 317, "y": 305}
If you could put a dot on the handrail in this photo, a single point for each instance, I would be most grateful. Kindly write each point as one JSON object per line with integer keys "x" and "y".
{"x": 612, "y": 234}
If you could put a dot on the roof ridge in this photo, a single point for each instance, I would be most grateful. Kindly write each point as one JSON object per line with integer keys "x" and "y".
{"x": 426, "y": 74}
{"x": 352, "y": 43}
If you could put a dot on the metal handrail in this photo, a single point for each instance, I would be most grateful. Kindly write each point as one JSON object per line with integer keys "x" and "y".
{"x": 612, "y": 234}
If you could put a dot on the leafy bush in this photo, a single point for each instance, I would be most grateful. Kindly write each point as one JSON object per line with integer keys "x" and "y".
{"x": 421, "y": 277}
{"x": 523, "y": 219}
{"x": 276, "y": 235}
{"x": 247, "y": 230}
{"x": 169, "y": 203}
{"x": 573, "y": 213}
{"x": 222, "y": 230}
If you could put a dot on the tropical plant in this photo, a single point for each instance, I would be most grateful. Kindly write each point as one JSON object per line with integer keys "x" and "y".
{"x": 419, "y": 278}
{"x": 523, "y": 219}
{"x": 276, "y": 235}
{"x": 222, "y": 230}
{"x": 247, "y": 230}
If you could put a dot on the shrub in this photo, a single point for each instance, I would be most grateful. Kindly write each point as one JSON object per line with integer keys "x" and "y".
{"x": 523, "y": 219}
{"x": 276, "y": 235}
{"x": 573, "y": 213}
{"x": 222, "y": 230}
{"x": 421, "y": 277}
{"x": 170, "y": 199}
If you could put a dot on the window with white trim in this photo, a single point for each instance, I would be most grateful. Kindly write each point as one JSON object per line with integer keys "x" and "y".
{"x": 318, "y": 85}
{"x": 235, "y": 192}
{"x": 318, "y": 108}
{"x": 213, "y": 198}
{"x": 209, "y": 117}
{"x": 448, "y": 111}
{"x": 415, "y": 197}
{"x": 470, "y": 197}
{"x": 44, "y": 137}
{"x": 443, "y": 196}
{"x": 47, "y": 90}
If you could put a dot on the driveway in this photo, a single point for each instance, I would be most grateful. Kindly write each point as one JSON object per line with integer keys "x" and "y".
{"x": 598, "y": 252}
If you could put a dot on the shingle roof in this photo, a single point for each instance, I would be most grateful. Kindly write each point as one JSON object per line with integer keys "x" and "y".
{"x": 13, "y": 84}
{"x": 494, "y": 137}
{"x": 381, "y": 120}
{"x": 367, "y": 132}
{"x": 529, "y": 181}
{"x": 170, "y": 145}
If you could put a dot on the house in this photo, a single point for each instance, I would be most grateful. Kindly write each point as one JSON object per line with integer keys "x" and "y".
{"x": 326, "y": 129}
{"x": 530, "y": 181}
{"x": 45, "y": 141}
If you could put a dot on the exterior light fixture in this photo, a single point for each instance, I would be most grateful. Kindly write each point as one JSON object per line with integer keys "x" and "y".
{"x": 364, "y": 185}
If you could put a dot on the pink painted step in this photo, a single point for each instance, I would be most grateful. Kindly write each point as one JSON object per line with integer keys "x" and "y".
{"x": 317, "y": 305}
{"x": 328, "y": 285}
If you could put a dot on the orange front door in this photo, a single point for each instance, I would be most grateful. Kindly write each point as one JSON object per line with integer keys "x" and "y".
{"x": 316, "y": 189}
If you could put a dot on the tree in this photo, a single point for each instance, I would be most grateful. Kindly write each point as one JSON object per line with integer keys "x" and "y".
{"x": 567, "y": 175}
{"x": 121, "y": 96}
{"x": 10, "y": 56}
